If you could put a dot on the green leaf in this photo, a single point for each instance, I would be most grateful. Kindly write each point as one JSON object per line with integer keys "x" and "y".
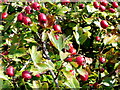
{"x": 1, "y": 84}
{"x": 82, "y": 71}
{"x": 37, "y": 84}
{"x": 71, "y": 82}
{"x": 109, "y": 40}
{"x": 85, "y": 29}
{"x": 1, "y": 27}
{"x": 83, "y": 38}
{"x": 59, "y": 44}
{"x": 34, "y": 27}
{"x": 45, "y": 85}
{"x": 63, "y": 55}
{"x": 44, "y": 36}
{"x": 88, "y": 20}
{"x": 90, "y": 8}
{"x": 35, "y": 55}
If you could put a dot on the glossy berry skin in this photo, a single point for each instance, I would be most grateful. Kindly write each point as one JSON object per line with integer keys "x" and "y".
{"x": 5, "y": 53}
{"x": 81, "y": 6}
{"x": 35, "y": 6}
{"x": 70, "y": 45}
{"x": 104, "y": 24}
{"x": 4, "y": 15}
{"x": 114, "y": 4}
{"x": 57, "y": 28}
{"x": 112, "y": 10}
{"x": 28, "y": 9}
{"x": 102, "y": 60}
{"x": 69, "y": 59}
{"x": 65, "y": 2}
{"x": 102, "y": 70}
{"x": 20, "y": 17}
{"x": 97, "y": 38}
{"x": 72, "y": 71}
{"x": 80, "y": 60}
{"x": 57, "y": 37}
{"x": 104, "y": 3}
{"x": 96, "y": 5}
{"x": 27, "y": 20}
{"x": 95, "y": 85}
{"x": 37, "y": 75}
{"x": 84, "y": 78}
{"x": 72, "y": 51}
{"x": 10, "y": 71}
{"x": 26, "y": 75}
{"x": 102, "y": 8}
{"x": 42, "y": 18}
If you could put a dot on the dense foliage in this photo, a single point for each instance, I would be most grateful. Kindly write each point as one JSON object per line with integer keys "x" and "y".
{"x": 63, "y": 44}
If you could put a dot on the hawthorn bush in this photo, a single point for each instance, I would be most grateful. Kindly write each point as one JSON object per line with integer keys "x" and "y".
{"x": 64, "y": 44}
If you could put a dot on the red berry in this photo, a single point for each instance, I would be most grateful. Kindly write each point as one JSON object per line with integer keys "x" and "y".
{"x": 4, "y": 15}
{"x": 36, "y": 6}
{"x": 37, "y": 75}
{"x": 102, "y": 8}
{"x": 80, "y": 60}
{"x": 96, "y": 5}
{"x": 115, "y": 4}
{"x": 20, "y": 17}
{"x": 57, "y": 28}
{"x": 10, "y": 71}
{"x": 26, "y": 75}
{"x": 72, "y": 51}
{"x": 95, "y": 85}
{"x": 84, "y": 77}
{"x": 27, "y": 20}
{"x": 69, "y": 59}
{"x": 104, "y": 24}
{"x": 102, "y": 70}
{"x": 111, "y": 10}
{"x": 81, "y": 6}
{"x": 65, "y": 2}
{"x": 57, "y": 37}
{"x": 97, "y": 38}
{"x": 102, "y": 60}
{"x": 42, "y": 18}
{"x": 5, "y": 53}
{"x": 104, "y": 3}
{"x": 28, "y": 9}
{"x": 72, "y": 71}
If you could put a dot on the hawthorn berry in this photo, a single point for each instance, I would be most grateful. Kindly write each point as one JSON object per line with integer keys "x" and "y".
{"x": 57, "y": 37}
{"x": 42, "y": 18}
{"x": 65, "y": 2}
{"x": 96, "y": 5}
{"x": 80, "y": 60}
{"x": 26, "y": 75}
{"x": 20, "y": 17}
{"x": 37, "y": 75}
{"x": 104, "y": 24}
{"x": 10, "y": 71}
{"x": 69, "y": 59}
{"x": 35, "y": 6}
{"x": 81, "y": 6}
{"x": 26, "y": 20}
{"x": 97, "y": 38}
{"x": 115, "y": 4}
{"x": 72, "y": 51}
{"x": 84, "y": 77}
{"x": 57, "y": 28}
{"x": 102, "y": 8}
{"x": 104, "y": 3}
{"x": 111, "y": 10}
{"x": 102, "y": 60}
{"x": 4, "y": 15}
{"x": 28, "y": 9}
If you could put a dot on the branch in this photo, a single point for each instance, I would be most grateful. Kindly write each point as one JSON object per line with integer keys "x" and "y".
{"x": 25, "y": 64}
{"x": 109, "y": 75}
{"x": 47, "y": 56}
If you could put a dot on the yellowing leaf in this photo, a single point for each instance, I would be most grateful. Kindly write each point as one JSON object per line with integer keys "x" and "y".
{"x": 109, "y": 40}
{"x": 63, "y": 55}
